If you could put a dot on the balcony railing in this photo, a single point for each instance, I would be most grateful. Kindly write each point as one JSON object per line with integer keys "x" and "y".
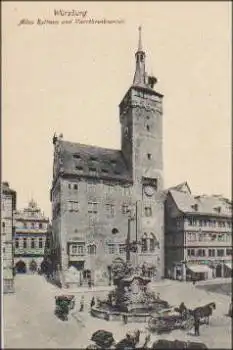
{"x": 22, "y": 251}
{"x": 208, "y": 243}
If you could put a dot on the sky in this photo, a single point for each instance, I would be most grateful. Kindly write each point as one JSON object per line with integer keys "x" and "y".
{"x": 70, "y": 79}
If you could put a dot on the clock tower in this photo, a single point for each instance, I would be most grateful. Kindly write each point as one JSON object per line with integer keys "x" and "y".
{"x": 141, "y": 144}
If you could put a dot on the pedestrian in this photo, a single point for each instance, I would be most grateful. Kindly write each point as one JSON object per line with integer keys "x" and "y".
{"x": 92, "y": 302}
{"x": 81, "y": 304}
{"x": 196, "y": 326}
{"x": 125, "y": 318}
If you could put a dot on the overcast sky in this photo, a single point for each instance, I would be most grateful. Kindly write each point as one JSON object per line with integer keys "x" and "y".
{"x": 71, "y": 79}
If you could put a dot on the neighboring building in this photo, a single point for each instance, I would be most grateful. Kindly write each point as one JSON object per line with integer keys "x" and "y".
{"x": 93, "y": 188}
{"x": 31, "y": 228}
{"x": 198, "y": 235}
{"x": 8, "y": 205}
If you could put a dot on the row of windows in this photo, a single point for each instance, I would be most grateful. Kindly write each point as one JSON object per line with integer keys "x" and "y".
{"x": 79, "y": 249}
{"x": 109, "y": 208}
{"x": 149, "y": 243}
{"x": 29, "y": 243}
{"x": 34, "y": 225}
{"x": 91, "y": 186}
{"x": 93, "y": 158}
{"x": 208, "y": 237}
{"x": 210, "y": 252}
{"x": 209, "y": 223}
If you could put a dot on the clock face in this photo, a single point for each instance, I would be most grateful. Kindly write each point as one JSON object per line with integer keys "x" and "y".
{"x": 149, "y": 191}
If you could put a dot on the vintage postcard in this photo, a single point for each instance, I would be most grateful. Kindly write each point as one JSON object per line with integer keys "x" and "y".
{"x": 116, "y": 210}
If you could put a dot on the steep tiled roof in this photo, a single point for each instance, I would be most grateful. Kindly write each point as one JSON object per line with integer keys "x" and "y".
{"x": 182, "y": 187}
{"x": 215, "y": 205}
{"x": 85, "y": 160}
{"x": 6, "y": 188}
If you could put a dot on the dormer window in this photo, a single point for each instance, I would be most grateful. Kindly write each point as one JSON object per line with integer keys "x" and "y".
{"x": 113, "y": 162}
{"x": 76, "y": 156}
{"x": 79, "y": 168}
{"x": 94, "y": 159}
{"x": 195, "y": 207}
{"x": 104, "y": 171}
{"x": 218, "y": 209}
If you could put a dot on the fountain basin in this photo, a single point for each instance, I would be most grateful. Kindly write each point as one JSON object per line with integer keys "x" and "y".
{"x": 138, "y": 316}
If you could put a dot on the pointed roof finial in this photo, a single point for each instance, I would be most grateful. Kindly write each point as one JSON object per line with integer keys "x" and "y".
{"x": 140, "y": 38}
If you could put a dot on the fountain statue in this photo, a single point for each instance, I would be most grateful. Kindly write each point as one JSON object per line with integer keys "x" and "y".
{"x": 131, "y": 298}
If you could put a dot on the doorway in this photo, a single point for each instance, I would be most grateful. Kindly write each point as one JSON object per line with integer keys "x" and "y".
{"x": 219, "y": 271}
{"x": 20, "y": 267}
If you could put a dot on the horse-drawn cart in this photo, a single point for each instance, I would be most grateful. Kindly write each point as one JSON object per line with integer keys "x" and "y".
{"x": 64, "y": 303}
{"x": 169, "y": 320}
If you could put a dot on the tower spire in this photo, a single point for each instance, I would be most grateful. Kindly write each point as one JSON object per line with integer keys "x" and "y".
{"x": 140, "y": 76}
{"x": 140, "y": 38}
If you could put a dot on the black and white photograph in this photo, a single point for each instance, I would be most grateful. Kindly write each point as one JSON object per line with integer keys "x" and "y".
{"x": 116, "y": 207}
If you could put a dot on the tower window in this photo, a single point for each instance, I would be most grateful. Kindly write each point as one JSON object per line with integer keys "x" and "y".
{"x": 79, "y": 168}
{"x": 149, "y": 156}
{"x": 75, "y": 186}
{"x": 148, "y": 128}
{"x": 148, "y": 211}
{"x": 76, "y": 156}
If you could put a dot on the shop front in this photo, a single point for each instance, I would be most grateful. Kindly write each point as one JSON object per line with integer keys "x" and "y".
{"x": 179, "y": 271}
{"x": 228, "y": 269}
{"x": 198, "y": 272}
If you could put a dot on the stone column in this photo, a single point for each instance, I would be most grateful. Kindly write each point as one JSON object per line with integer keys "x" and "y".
{"x": 184, "y": 272}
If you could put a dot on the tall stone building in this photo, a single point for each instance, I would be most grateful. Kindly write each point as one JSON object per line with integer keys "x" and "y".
{"x": 8, "y": 205}
{"x": 102, "y": 196}
{"x": 31, "y": 227}
{"x": 198, "y": 235}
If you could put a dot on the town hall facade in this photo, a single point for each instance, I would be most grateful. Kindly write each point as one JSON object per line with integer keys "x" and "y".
{"x": 102, "y": 199}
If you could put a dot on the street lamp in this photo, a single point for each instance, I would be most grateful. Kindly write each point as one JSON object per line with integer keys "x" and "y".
{"x": 132, "y": 215}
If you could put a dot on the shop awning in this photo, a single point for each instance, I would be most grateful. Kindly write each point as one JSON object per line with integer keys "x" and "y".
{"x": 199, "y": 268}
{"x": 87, "y": 265}
{"x": 229, "y": 265}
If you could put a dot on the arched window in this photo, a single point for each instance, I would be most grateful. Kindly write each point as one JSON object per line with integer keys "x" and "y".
{"x": 152, "y": 242}
{"x": 91, "y": 249}
{"x": 144, "y": 243}
{"x": 32, "y": 242}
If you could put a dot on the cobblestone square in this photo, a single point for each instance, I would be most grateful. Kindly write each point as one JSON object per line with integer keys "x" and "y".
{"x": 29, "y": 320}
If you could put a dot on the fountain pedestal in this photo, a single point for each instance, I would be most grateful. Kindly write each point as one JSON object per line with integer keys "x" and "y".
{"x": 130, "y": 301}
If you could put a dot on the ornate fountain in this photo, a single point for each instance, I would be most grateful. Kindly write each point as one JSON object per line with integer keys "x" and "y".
{"x": 130, "y": 301}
